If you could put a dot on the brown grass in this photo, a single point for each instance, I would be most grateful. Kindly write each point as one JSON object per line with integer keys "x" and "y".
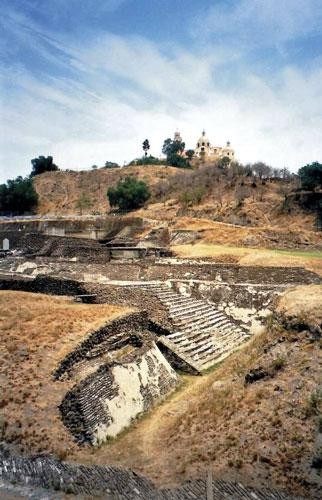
{"x": 37, "y": 331}
{"x": 253, "y": 257}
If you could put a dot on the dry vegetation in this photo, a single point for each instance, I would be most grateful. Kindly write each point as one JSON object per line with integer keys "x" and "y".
{"x": 37, "y": 331}
{"x": 252, "y": 257}
{"x": 260, "y": 433}
{"x": 59, "y": 191}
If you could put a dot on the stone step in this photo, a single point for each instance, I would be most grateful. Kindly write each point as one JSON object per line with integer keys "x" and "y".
{"x": 197, "y": 315}
{"x": 181, "y": 305}
{"x": 190, "y": 312}
{"x": 214, "y": 323}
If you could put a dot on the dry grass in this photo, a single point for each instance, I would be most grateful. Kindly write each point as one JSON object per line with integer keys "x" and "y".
{"x": 37, "y": 331}
{"x": 59, "y": 191}
{"x": 253, "y": 257}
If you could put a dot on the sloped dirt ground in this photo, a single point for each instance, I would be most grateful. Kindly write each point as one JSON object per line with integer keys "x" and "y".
{"x": 264, "y": 432}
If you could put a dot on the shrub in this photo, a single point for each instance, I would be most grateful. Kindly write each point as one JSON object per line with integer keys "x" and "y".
{"x": 278, "y": 363}
{"x": 130, "y": 193}
{"x": 176, "y": 160}
{"x": 147, "y": 160}
{"x": 111, "y": 164}
{"x": 311, "y": 176}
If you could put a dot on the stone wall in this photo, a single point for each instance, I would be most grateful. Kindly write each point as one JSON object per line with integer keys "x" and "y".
{"x": 37, "y": 244}
{"x": 107, "y": 401}
{"x": 115, "y": 483}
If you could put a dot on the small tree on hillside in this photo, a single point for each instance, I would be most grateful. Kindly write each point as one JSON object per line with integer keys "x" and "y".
{"x": 83, "y": 203}
{"x": 146, "y": 147}
{"x": 173, "y": 151}
{"x": 311, "y": 176}
{"x": 42, "y": 164}
{"x": 190, "y": 154}
{"x": 111, "y": 164}
{"x": 130, "y": 193}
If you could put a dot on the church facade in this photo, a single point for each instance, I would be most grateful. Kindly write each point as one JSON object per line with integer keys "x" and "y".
{"x": 205, "y": 150}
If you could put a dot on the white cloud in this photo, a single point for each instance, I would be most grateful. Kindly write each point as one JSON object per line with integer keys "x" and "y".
{"x": 261, "y": 22}
{"x": 127, "y": 89}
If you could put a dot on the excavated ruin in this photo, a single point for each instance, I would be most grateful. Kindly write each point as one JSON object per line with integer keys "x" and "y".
{"x": 189, "y": 316}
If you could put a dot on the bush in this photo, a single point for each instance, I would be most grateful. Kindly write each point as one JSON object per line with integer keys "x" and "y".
{"x": 18, "y": 196}
{"x": 311, "y": 176}
{"x": 176, "y": 160}
{"x": 147, "y": 160}
{"x": 130, "y": 193}
{"x": 111, "y": 164}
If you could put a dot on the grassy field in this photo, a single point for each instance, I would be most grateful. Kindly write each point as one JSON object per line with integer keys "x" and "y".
{"x": 311, "y": 260}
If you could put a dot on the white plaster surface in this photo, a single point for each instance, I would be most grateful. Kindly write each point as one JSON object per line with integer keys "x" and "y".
{"x": 129, "y": 402}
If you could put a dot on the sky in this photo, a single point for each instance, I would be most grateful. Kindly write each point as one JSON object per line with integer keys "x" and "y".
{"x": 86, "y": 81}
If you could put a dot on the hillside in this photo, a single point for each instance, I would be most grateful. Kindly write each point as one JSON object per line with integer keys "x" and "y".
{"x": 59, "y": 191}
{"x": 197, "y": 205}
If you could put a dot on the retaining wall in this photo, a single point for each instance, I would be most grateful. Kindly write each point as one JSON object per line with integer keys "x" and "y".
{"x": 120, "y": 484}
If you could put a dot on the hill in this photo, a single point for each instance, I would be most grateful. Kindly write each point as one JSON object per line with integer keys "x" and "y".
{"x": 59, "y": 191}
{"x": 205, "y": 205}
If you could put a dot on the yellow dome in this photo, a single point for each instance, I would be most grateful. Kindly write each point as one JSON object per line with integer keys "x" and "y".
{"x": 203, "y": 140}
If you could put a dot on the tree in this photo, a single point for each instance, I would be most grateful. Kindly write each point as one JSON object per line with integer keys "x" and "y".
{"x": 111, "y": 164}
{"x": 190, "y": 154}
{"x": 173, "y": 151}
{"x": 83, "y": 203}
{"x": 224, "y": 162}
{"x": 18, "y": 196}
{"x": 146, "y": 147}
{"x": 311, "y": 176}
{"x": 179, "y": 161}
{"x": 130, "y": 193}
{"x": 171, "y": 147}
{"x": 42, "y": 164}
{"x": 261, "y": 169}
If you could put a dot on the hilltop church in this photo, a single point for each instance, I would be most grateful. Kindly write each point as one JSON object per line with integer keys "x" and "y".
{"x": 205, "y": 150}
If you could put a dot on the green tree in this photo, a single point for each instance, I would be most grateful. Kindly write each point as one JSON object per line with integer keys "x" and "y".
{"x": 83, "y": 203}
{"x": 311, "y": 176}
{"x": 171, "y": 147}
{"x": 224, "y": 162}
{"x": 190, "y": 154}
{"x": 18, "y": 196}
{"x": 130, "y": 193}
{"x": 111, "y": 164}
{"x": 146, "y": 147}
{"x": 173, "y": 151}
{"x": 42, "y": 164}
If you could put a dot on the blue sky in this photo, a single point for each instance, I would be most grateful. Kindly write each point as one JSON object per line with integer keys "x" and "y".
{"x": 88, "y": 80}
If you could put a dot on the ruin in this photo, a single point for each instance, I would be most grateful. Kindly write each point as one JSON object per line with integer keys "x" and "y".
{"x": 186, "y": 316}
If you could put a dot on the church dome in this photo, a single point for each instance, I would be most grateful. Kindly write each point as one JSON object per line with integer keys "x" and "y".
{"x": 203, "y": 140}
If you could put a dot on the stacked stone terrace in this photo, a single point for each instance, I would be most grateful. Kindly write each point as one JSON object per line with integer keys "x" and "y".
{"x": 202, "y": 334}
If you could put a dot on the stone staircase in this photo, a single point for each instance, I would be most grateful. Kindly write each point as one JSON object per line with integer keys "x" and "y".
{"x": 202, "y": 334}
